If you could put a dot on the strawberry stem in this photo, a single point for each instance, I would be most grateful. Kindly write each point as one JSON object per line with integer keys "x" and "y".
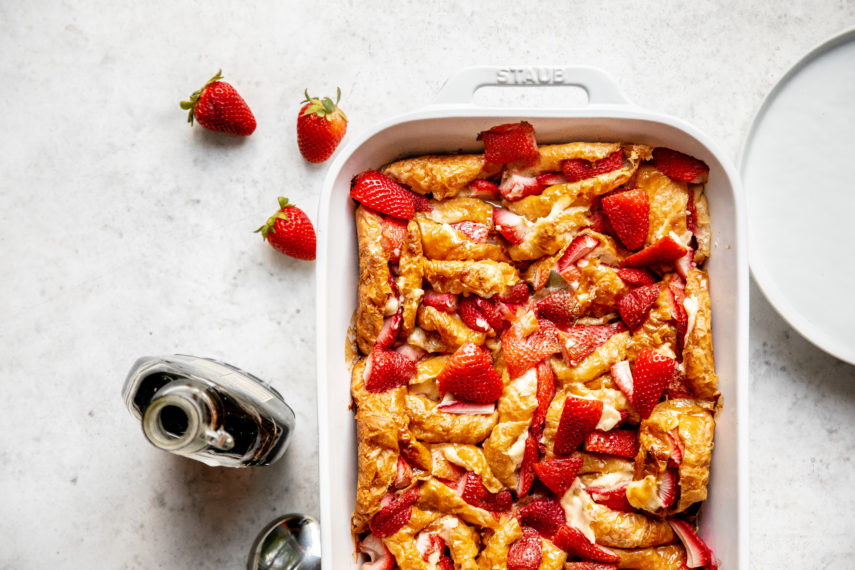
{"x": 270, "y": 225}
{"x": 194, "y": 97}
{"x": 325, "y": 107}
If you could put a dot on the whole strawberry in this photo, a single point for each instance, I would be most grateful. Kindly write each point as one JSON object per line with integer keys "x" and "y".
{"x": 320, "y": 127}
{"x": 217, "y": 106}
{"x": 290, "y": 231}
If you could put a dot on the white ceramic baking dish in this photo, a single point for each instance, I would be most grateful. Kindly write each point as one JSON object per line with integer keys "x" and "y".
{"x": 451, "y": 124}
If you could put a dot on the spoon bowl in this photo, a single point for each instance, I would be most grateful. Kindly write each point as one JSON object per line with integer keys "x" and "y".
{"x": 290, "y": 542}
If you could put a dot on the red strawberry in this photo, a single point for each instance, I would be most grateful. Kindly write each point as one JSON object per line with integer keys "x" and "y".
{"x": 583, "y": 340}
{"x": 589, "y": 566}
{"x": 551, "y": 178}
{"x": 526, "y": 553}
{"x": 404, "y": 474}
{"x": 526, "y": 477}
{"x": 518, "y": 296}
{"x": 635, "y": 277}
{"x": 378, "y": 555}
{"x": 698, "y": 554}
{"x": 575, "y": 543}
{"x": 651, "y": 374}
{"x": 484, "y": 189}
{"x": 677, "y": 296}
{"x": 513, "y": 228}
{"x": 635, "y": 306}
{"x": 512, "y": 143}
{"x": 677, "y": 447}
{"x": 524, "y": 353}
{"x": 628, "y": 213}
{"x": 581, "y": 246}
{"x": 679, "y": 166}
{"x": 428, "y": 543}
{"x": 217, "y": 106}
{"x": 578, "y": 418}
{"x": 600, "y": 222}
{"x": 390, "y": 329}
{"x": 558, "y": 474}
{"x": 445, "y": 302}
{"x": 420, "y": 203}
{"x": 544, "y": 514}
{"x": 677, "y": 387}
{"x": 381, "y": 193}
{"x": 622, "y": 375}
{"x": 393, "y": 232}
{"x": 576, "y": 169}
{"x": 691, "y": 214}
{"x": 473, "y": 491}
{"x": 395, "y": 514}
{"x": 475, "y": 231}
{"x": 290, "y": 231}
{"x": 470, "y": 376}
{"x": 320, "y": 127}
{"x": 492, "y": 313}
{"x": 558, "y": 307}
{"x": 611, "y": 497}
{"x": 515, "y": 186}
{"x": 666, "y": 250}
{"x": 472, "y": 315}
{"x": 450, "y": 405}
{"x": 545, "y": 393}
{"x": 667, "y": 491}
{"x": 387, "y": 369}
{"x": 620, "y": 442}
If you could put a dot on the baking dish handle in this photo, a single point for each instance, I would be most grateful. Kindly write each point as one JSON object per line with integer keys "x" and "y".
{"x": 599, "y": 85}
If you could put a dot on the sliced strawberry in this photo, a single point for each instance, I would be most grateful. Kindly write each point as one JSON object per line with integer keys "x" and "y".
{"x": 677, "y": 387}
{"x": 473, "y": 491}
{"x": 635, "y": 305}
{"x": 581, "y": 246}
{"x": 445, "y": 302}
{"x": 576, "y": 169}
{"x": 420, "y": 203}
{"x": 379, "y": 557}
{"x": 685, "y": 263}
{"x": 622, "y": 375}
{"x": 516, "y": 186}
{"x": 404, "y": 474}
{"x": 519, "y": 294}
{"x": 491, "y": 313}
{"x": 429, "y": 544}
{"x": 544, "y": 514}
{"x": 526, "y": 552}
{"x": 629, "y": 213}
{"x": 651, "y": 373}
{"x": 387, "y": 369}
{"x": 636, "y": 277}
{"x": 583, "y": 340}
{"x": 526, "y": 475}
{"x": 484, "y": 189}
{"x": 545, "y": 393}
{"x": 475, "y": 231}
{"x": 381, "y": 193}
{"x": 578, "y": 418}
{"x": 451, "y": 405}
{"x": 665, "y": 250}
{"x": 445, "y": 563}
{"x": 513, "y": 228}
{"x": 599, "y": 222}
{"x": 698, "y": 554}
{"x": 667, "y": 491}
{"x": 395, "y": 514}
{"x": 575, "y": 543}
{"x": 692, "y": 213}
{"x": 511, "y": 143}
{"x": 393, "y": 232}
{"x": 559, "y": 307}
{"x": 551, "y": 178}
{"x": 411, "y": 352}
{"x": 390, "y": 329}
{"x": 620, "y": 442}
{"x": 522, "y": 353}
{"x": 470, "y": 376}
{"x": 677, "y": 447}
{"x": 679, "y": 166}
{"x": 677, "y": 296}
{"x": 558, "y": 474}
{"x": 589, "y": 566}
{"x": 471, "y": 314}
{"x": 611, "y": 497}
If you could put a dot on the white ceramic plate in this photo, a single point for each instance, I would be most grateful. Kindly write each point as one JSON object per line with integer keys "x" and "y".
{"x": 798, "y": 165}
{"x": 451, "y": 123}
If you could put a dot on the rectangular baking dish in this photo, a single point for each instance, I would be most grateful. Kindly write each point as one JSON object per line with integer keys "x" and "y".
{"x": 452, "y": 124}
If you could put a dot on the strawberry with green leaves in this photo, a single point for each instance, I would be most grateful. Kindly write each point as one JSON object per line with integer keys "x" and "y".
{"x": 321, "y": 125}
{"x": 217, "y": 106}
{"x": 290, "y": 231}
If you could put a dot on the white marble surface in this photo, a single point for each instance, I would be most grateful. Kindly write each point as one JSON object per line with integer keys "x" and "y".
{"x": 125, "y": 232}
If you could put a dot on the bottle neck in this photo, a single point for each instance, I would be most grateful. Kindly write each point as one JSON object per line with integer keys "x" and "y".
{"x": 180, "y": 418}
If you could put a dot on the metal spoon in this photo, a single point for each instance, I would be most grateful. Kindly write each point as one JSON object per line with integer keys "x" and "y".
{"x": 291, "y": 542}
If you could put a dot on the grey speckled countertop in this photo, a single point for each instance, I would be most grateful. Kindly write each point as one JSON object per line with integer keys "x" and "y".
{"x": 125, "y": 232}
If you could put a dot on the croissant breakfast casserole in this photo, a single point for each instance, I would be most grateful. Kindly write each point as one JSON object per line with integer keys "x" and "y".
{"x": 535, "y": 385}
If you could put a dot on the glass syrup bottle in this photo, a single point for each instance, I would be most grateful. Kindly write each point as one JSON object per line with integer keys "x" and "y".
{"x": 208, "y": 410}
